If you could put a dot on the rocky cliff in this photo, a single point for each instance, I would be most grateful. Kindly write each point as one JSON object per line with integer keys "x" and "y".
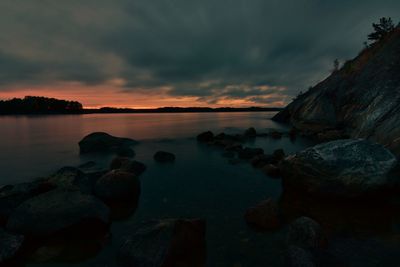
{"x": 360, "y": 100}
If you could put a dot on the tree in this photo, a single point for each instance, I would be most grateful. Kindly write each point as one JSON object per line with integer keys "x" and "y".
{"x": 336, "y": 65}
{"x": 382, "y": 28}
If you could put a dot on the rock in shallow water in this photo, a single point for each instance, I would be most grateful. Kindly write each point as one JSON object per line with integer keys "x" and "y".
{"x": 103, "y": 142}
{"x": 344, "y": 168}
{"x": 128, "y": 165}
{"x": 165, "y": 243}
{"x": 57, "y": 211}
{"x": 10, "y": 244}
{"x": 264, "y": 216}
{"x": 205, "y": 137}
{"x": 306, "y": 233}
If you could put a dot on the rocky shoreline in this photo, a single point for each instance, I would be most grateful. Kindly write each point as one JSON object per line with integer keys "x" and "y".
{"x": 46, "y": 219}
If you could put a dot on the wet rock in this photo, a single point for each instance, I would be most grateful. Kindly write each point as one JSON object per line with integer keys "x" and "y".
{"x": 120, "y": 190}
{"x": 103, "y": 142}
{"x": 299, "y": 257}
{"x": 117, "y": 185}
{"x": 279, "y": 155}
{"x": 264, "y": 216}
{"x": 205, "y": 137}
{"x": 87, "y": 165}
{"x": 128, "y": 165}
{"x": 126, "y": 152}
{"x": 167, "y": 243}
{"x": 11, "y": 196}
{"x": 164, "y": 157}
{"x": 251, "y": 132}
{"x": 70, "y": 178}
{"x": 343, "y": 168}
{"x": 249, "y": 153}
{"x": 306, "y": 233}
{"x": 10, "y": 245}
{"x": 271, "y": 170}
{"x": 262, "y": 160}
{"x": 59, "y": 211}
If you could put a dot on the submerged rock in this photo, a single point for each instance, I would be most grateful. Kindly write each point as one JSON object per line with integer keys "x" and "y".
{"x": 264, "y": 216}
{"x": 251, "y": 132}
{"x": 103, "y": 142}
{"x": 10, "y": 245}
{"x": 205, "y": 137}
{"x": 306, "y": 233}
{"x": 164, "y": 157}
{"x": 128, "y": 165}
{"x": 58, "y": 211}
{"x": 166, "y": 243}
{"x": 345, "y": 168}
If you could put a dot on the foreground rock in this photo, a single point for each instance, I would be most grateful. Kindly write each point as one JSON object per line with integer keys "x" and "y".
{"x": 128, "y": 165}
{"x": 166, "y": 243}
{"x": 361, "y": 99}
{"x": 103, "y": 142}
{"x": 11, "y": 196}
{"x": 264, "y": 216}
{"x": 10, "y": 245}
{"x": 59, "y": 211}
{"x": 344, "y": 168}
{"x": 70, "y": 178}
{"x": 205, "y": 137}
{"x": 164, "y": 157}
{"x": 306, "y": 233}
{"x": 120, "y": 190}
{"x": 299, "y": 257}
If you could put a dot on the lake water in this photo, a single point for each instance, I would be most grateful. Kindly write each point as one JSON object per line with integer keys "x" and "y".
{"x": 201, "y": 183}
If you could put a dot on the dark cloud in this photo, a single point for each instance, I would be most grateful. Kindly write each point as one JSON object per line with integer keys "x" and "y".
{"x": 264, "y": 51}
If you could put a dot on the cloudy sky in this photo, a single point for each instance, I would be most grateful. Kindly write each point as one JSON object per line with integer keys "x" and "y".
{"x": 149, "y": 53}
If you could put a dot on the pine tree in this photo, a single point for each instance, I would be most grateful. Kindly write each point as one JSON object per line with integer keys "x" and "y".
{"x": 382, "y": 28}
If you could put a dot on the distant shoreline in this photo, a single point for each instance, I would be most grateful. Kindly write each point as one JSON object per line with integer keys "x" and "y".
{"x": 138, "y": 111}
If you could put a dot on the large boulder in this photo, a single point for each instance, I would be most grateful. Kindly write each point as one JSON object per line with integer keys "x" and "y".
{"x": 166, "y": 243}
{"x": 103, "y": 142}
{"x": 10, "y": 245}
{"x": 59, "y": 211}
{"x": 11, "y": 196}
{"x": 264, "y": 216}
{"x": 70, "y": 178}
{"x": 342, "y": 168}
{"x": 361, "y": 99}
{"x": 125, "y": 164}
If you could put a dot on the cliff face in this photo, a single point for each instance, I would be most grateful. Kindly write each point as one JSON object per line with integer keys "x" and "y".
{"x": 362, "y": 99}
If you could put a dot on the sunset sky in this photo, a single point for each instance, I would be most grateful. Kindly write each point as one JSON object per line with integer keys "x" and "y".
{"x": 142, "y": 53}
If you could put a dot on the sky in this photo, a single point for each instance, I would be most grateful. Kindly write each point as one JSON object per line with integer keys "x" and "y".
{"x": 154, "y": 53}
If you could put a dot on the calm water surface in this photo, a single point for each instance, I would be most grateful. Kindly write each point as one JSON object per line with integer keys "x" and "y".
{"x": 200, "y": 184}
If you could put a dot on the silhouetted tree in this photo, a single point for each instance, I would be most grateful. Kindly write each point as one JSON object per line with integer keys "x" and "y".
{"x": 382, "y": 28}
{"x": 336, "y": 65}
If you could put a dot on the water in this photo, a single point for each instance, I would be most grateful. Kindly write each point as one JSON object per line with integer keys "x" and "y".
{"x": 201, "y": 183}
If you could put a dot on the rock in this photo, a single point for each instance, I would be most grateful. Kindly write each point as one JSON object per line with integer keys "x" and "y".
{"x": 251, "y": 132}
{"x": 126, "y": 152}
{"x": 293, "y": 133}
{"x": 271, "y": 170}
{"x": 128, "y": 165}
{"x": 306, "y": 233}
{"x": 70, "y": 178}
{"x": 164, "y": 157}
{"x": 279, "y": 155}
{"x": 117, "y": 185}
{"x": 87, "y": 165}
{"x": 205, "y": 137}
{"x": 59, "y": 211}
{"x": 11, "y": 196}
{"x": 264, "y": 216}
{"x": 262, "y": 160}
{"x": 330, "y": 135}
{"x": 362, "y": 98}
{"x": 167, "y": 243}
{"x": 343, "y": 168}
{"x": 103, "y": 142}
{"x": 299, "y": 257}
{"x": 249, "y": 153}
{"x": 120, "y": 190}
{"x": 235, "y": 147}
{"x": 10, "y": 245}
